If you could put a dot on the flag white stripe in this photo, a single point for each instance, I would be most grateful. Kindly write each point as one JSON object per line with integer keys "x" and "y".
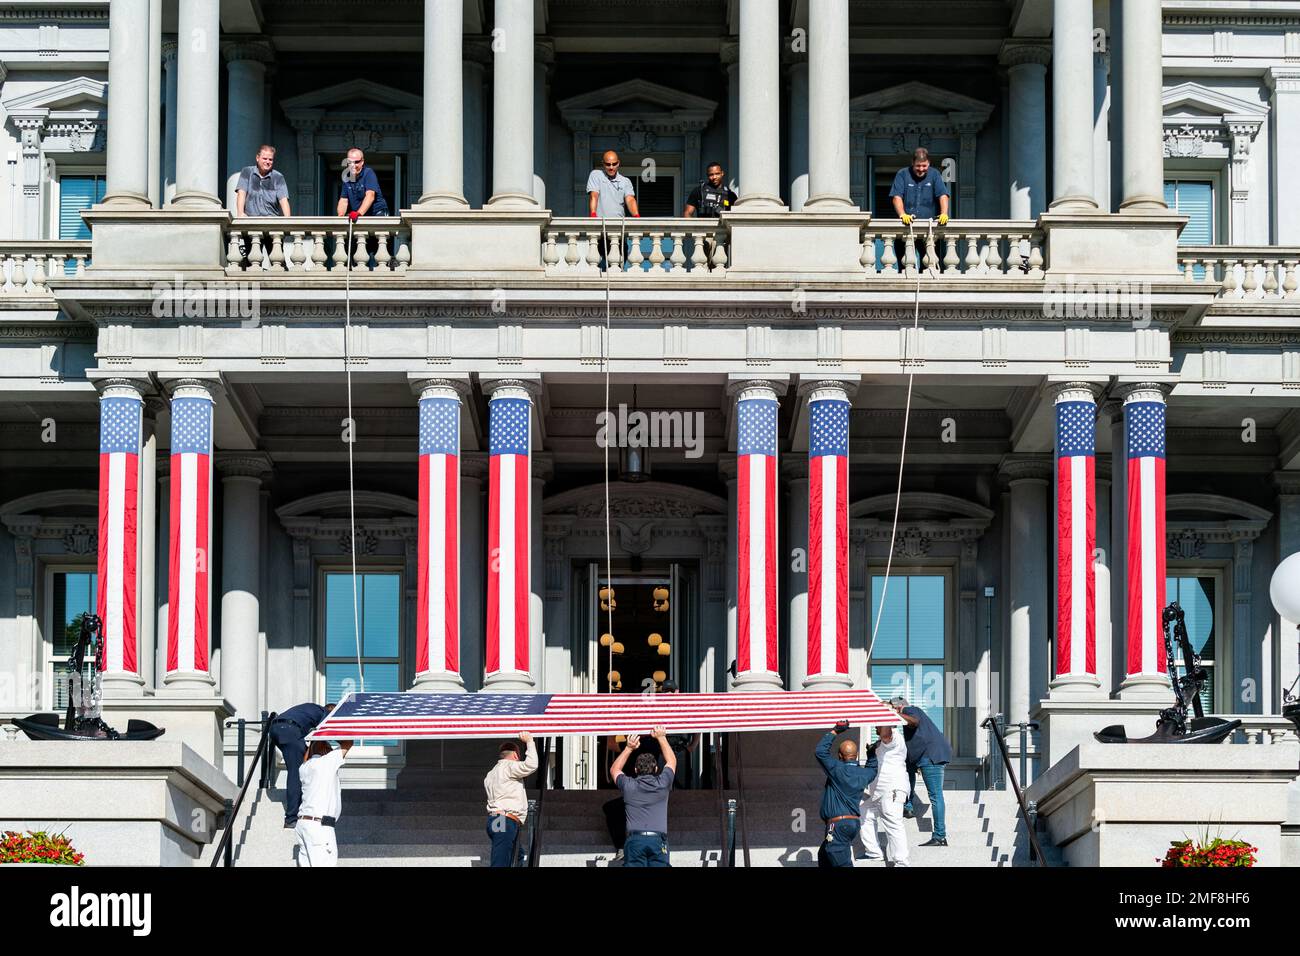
{"x": 830, "y": 474}
{"x": 186, "y": 586}
{"x": 1150, "y": 613}
{"x": 437, "y": 589}
{"x": 758, "y": 492}
{"x": 114, "y": 626}
{"x": 1078, "y": 557}
{"x": 505, "y": 559}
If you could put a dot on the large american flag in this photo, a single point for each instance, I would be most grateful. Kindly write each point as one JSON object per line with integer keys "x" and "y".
{"x": 756, "y": 535}
{"x": 828, "y": 537}
{"x": 119, "y": 472}
{"x": 417, "y": 716}
{"x": 509, "y": 493}
{"x": 1076, "y": 537}
{"x": 188, "y": 593}
{"x": 438, "y": 613}
{"x": 1144, "y": 437}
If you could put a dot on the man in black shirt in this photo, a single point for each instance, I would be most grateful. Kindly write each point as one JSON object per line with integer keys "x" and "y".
{"x": 711, "y": 197}
{"x": 288, "y": 731}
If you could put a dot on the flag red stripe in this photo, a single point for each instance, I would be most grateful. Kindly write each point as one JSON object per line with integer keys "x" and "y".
{"x": 173, "y": 565}
{"x": 1090, "y": 570}
{"x": 493, "y": 662}
{"x": 451, "y": 564}
{"x": 422, "y": 572}
{"x": 842, "y": 564}
{"x": 1158, "y": 539}
{"x": 522, "y": 559}
{"x": 743, "y": 545}
{"x": 1065, "y": 532}
{"x": 815, "y": 504}
{"x": 769, "y": 561}
{"x": 202, "y": 596}
{"x": 1134, "y": 566}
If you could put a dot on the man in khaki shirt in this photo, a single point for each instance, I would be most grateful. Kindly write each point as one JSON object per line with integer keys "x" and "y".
{"x": 507, "y": 800}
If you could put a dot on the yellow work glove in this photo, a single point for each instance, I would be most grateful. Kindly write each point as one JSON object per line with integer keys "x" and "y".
{"x": 943, "y": 219}
{"x": 907, "y": 220}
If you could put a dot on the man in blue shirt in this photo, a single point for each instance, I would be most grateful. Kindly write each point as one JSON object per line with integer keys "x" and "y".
{"x": 928, "y": 751}
{"x": 361, "y": 195}
{"x": 845, "y": 783}
{"x": 645, "y": 800}
{"x": 917, "y": 189}
{"x": 288, "y": 731}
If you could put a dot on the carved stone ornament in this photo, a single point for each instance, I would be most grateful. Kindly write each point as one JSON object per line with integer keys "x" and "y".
{"x": 911, "y": 543}
{"x": 81, "y": 540}
{"x": 638, "y": 508}
{"x": 1185, "y": 544}
{"x": 366, "y": 543}
{"x": 637, "y": 139}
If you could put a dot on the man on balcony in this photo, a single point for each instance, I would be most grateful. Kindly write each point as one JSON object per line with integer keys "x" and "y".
{"x": 360, "y": 195}
{"x": 261, "y": 190}
{"x": 610, "y": 194}
{"x": 918, "y": 190}
{"x": 711, "y": 198}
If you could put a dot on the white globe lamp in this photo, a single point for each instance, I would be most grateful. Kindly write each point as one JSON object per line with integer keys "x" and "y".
{"x": 1284, "y": 589}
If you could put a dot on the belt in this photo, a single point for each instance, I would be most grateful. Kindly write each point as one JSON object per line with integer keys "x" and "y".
{"x": 510, "y": 815}
{"x": 843, "y": 816}
{"x": 286, "y": 720}
{"x": 323, "y": 821}
{"x": 653, "y": 833}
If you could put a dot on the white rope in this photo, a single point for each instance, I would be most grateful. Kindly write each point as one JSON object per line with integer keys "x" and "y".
{"x": 902, "y": 451}
{"x": 352, "y": 437}
{"x": 604, "y": 359}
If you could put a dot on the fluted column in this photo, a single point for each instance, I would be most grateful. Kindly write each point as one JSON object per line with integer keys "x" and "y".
{"x": 246, "y": 60}
{"x": 444, "y": 118}
{"x": 437, "y": 616}
{"x": 512, "y": 106}
{"x": 760, "y": 105}
{"x": 729, "y": 54}
{"x": 241, "y": 578}
{"x": 1027, "y": 590}
{"x": 198, "y": 104}
{"x": 797, "y": 156}
{"x": 1026, "y": 65}
{"x": 1072, "y": 185}
{"x": 127, "y": 139}
{"x": 543, "y": 62}
{"x": 155, "y": 102}
{"x": 1142, "y": 129}
{"x": 828, "y": 107}
{"x": 170, "y": 52}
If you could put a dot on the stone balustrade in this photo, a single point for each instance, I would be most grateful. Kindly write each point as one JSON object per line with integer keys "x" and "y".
{"x": 316, "y": 245}
{"x": 1262, "y": 729}
{"x": 1265, "y": 273}
{"x": 26, "y": 265}
{"x": 637, "y": 247}
{"x": 965, "y": 248}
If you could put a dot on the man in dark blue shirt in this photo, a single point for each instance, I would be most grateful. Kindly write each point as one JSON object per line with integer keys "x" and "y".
{"x": 288, "y": 731}
{"x": 928, "y": 751}
{"x": 361, "y": 193}
{"x": 845, "y": 783}
{"x": 917, "y": 191}
{"x": 645, "y": 799}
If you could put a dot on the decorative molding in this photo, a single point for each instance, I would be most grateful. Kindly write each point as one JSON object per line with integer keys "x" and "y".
{"x": 649, "y": 499}
{"x": 1028, "y": 468}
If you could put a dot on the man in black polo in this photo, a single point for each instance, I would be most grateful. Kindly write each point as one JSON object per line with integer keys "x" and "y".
{"x": 645, "y": 798}
{"x": 288, "y": 732}
{"x": 711, "y": 198}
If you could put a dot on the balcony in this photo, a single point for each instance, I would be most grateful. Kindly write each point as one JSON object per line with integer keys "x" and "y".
{"x": 1247, "y": 275}
{"x": 27, "y": 265}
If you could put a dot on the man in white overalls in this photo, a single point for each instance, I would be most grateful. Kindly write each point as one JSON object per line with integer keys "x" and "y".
{"x": 322, "y": 802}
{"x": 885, "y": 798}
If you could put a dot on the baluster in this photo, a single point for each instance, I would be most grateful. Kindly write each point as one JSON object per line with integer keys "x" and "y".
{"x": 1189, "y": 266}
{"x": 1249, "y": 284}
{"x": 360, "y": 255}
{"x": 571, "y": 250}
{"x": 80, "y": 259}
{"x": 592, "y": 262}
{"x": 1289, "y": 280}
{"x": 382, "y": 256}
{"x": 973, "y": 264}
{"x": 889, "y": 257}
{"x": 297, "y": 254}
{"x": 699, "y": 258}
{"x": 614, "y": 253}
{"x": 931, "y": 259}
{"x": 1270, "y": 280}
{"x": 950, "y": 261}
{"x": 1015, "y": 256}
{"x": 254, "y": 251}
{"x": 550, "y": 256}
{"x": 656, "y": 252}
{"x": 1229, "y": 278}
{"x": 677, "y": 261}
{"x": 403, "y": 251}
{"x": 25, "y": 274}
{"x": 994, "y": 259}
{"x": 1035, "y": 259}
{"x": 339, "y": 261}
{"x": 868, "y": 257}
{"x": 635, "y": 258}
{"x": 39, "y": 274}
{"x": 234, "y": 257}
{"x": 720, "y": 259}
{"x": 277, "y": 251}
{"x": 6, "y": 270}
{"x": 909, "y": 255}
{"x": 318, "y": 259}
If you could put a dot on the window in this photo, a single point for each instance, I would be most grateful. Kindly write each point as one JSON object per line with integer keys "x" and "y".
{"x": 1198, "y": 595}
{"x": 911, "y": 644}
{"x": 72, "y": 595}
{"x": 379, "y": 609}
{"x": 75, "y": 194}
{"x": 1195, "y": 199}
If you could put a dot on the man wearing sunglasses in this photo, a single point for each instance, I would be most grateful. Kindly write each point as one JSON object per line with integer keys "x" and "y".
{"x": 609, "y": 193}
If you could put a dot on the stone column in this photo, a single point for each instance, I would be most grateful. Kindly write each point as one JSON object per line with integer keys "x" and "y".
{"x": 155, "y": 101}
{"x": 1026, "y": 64}
{"x": 1101, "y": 150}
{"x": 1143, "y": 510}
{"x": 1284, "y": 119}
{"x": 473, "y": 477}
{"x": 444, "y": 103}
{"x": 1102, "y": 571}
{"x": 1076, "y": 540}
{"x": 727, "y": 471}
{"x": 1113, "y": 412}
{"x": 246, "y": 126}
{"x": 437, "y": 617}
{"x": 543, "y": 63}
{"x": 729, "y": 54}
{"x": 794, "y": 471}
{"x": 828, "y": 106}
{"x": 512, "y": 106}
{"x": 121, "y": 414}
{"x": 169, "y": 55}
{"x": 760, "y": 105}
{"x": 797, "y": 157}
{"x": 241, "y": 578}
{"x": 189, "y": 582}
{"x": 1142, "y": 122}
{"x": 757, "y": 652}
{"x": 127, "y": 142}
{"x": 1027, "y": 590}
{"x": 1288, "y": 543}
{"x": 1072, "y": 185}
{"x": 510, "y": 665}
{"x": 477, "y": 55}
{"x": 198, "y": 104}
{"x": 148, "y": 541}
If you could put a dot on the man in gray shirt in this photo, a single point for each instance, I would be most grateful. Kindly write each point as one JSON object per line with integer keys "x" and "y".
{"x": 261, "y": 190}
{"x": 609, "y": 192}
{"x": 645, "y": 797}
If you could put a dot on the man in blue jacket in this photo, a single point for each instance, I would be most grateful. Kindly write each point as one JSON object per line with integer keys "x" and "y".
{"x": 928, "y": 751}
{"x": 845, "y": 783}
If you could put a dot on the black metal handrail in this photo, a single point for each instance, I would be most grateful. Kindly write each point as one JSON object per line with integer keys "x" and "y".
{"x": 535, "y": 848}
{"x": 1036, "y": 851}
{"x": 225, "y": 850}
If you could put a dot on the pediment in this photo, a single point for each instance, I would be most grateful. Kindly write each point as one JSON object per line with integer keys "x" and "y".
{"x": 640, "y": 96}
{"x": 81, "y": 92}
{"x": 917, "y": 98}
{"x": 1188, "y": 100}
{"x": 354, "y": 96}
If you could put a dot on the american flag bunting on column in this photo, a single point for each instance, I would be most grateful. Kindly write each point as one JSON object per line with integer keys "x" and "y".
{"x": 438, "y": 611}
{"x": 509, "y": 495}
{"x": 756, "y": 648}
{"x": 188, "y": 593}
{"x": 1144, "y": 438}
{"x": 828, "y": 537}
{"x": 1076, "y": 538}
{"x": 119, "y": 475}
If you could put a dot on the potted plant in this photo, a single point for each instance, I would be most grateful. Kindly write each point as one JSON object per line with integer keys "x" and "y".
{"x": 39, "y": 847}
{"x": 1207, "y": 852}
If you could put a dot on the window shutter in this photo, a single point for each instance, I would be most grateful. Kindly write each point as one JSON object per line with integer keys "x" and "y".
{"x": 1196, "y": 200}
{"x": 75, "y": 194}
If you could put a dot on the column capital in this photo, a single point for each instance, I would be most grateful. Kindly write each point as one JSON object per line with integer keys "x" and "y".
{"x": 1144, "y": 391}
{"x": 727, "y": 467}
{"x": 1076, "y": 391}
{"x": 1025, "y": 468}
{"x": 737, "y": 385}
{"x": 256, "y": 48}
{"x": 543, "y": 51}
{"x": 543, "y": 468}
{"x": 1025, "y": 53}
{"x": 209, "y": 383}
{"x": 170, "y": 49}
{"x": 119, "y": 385}
{"x": 532, "y": 385}
{"x": 477, "y": 50}
{"x": 1101, "y": 467}
{"x": 243, "y": 464}
{"x": 1287, "y": 482}
{"x": 845, "y": 387}
{"x": 452, "y": 381}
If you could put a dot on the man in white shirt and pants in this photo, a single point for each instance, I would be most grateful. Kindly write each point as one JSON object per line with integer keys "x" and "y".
{"x": 507, "y": 800}
{"x": 322, "y": 803}
{"x": 885, "y": 798}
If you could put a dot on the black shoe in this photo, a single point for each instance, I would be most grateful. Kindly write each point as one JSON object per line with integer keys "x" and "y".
{"x": 908, "y": 814}
{"x": 936, "y": 841}
{"x": 290, "y": 824}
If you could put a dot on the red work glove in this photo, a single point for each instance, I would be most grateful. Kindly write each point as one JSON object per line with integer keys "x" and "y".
{"x": 636, "y": 215}
{"x": 354, "y": 215}
{"x": 593, "y": 215}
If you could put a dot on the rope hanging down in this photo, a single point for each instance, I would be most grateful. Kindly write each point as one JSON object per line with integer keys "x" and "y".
{"x": 351, "y": 433}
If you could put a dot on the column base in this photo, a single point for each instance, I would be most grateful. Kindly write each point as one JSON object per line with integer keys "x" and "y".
{"x": 1075, "y": 204}
{"x": 759, "y": 202}
{"x": 513, "y": 200}
{"x": 123, "y": 685}
{"x": 438, "y": 683}
{"x": 188, "y": 682}
{"x": 1149, "y": 205}
{"x": 195, "y": 199}
{"x": 755, "y": 680}
{"x": 829, "y": 202}
{"x": 443, "y": 200}
{"x": 1146, "y": 687}
{"x": 1076, "y": 687}
{"x": 126, "y": 200}
{"x": 509, "y": 682}
{"x": 828, "y": 682}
